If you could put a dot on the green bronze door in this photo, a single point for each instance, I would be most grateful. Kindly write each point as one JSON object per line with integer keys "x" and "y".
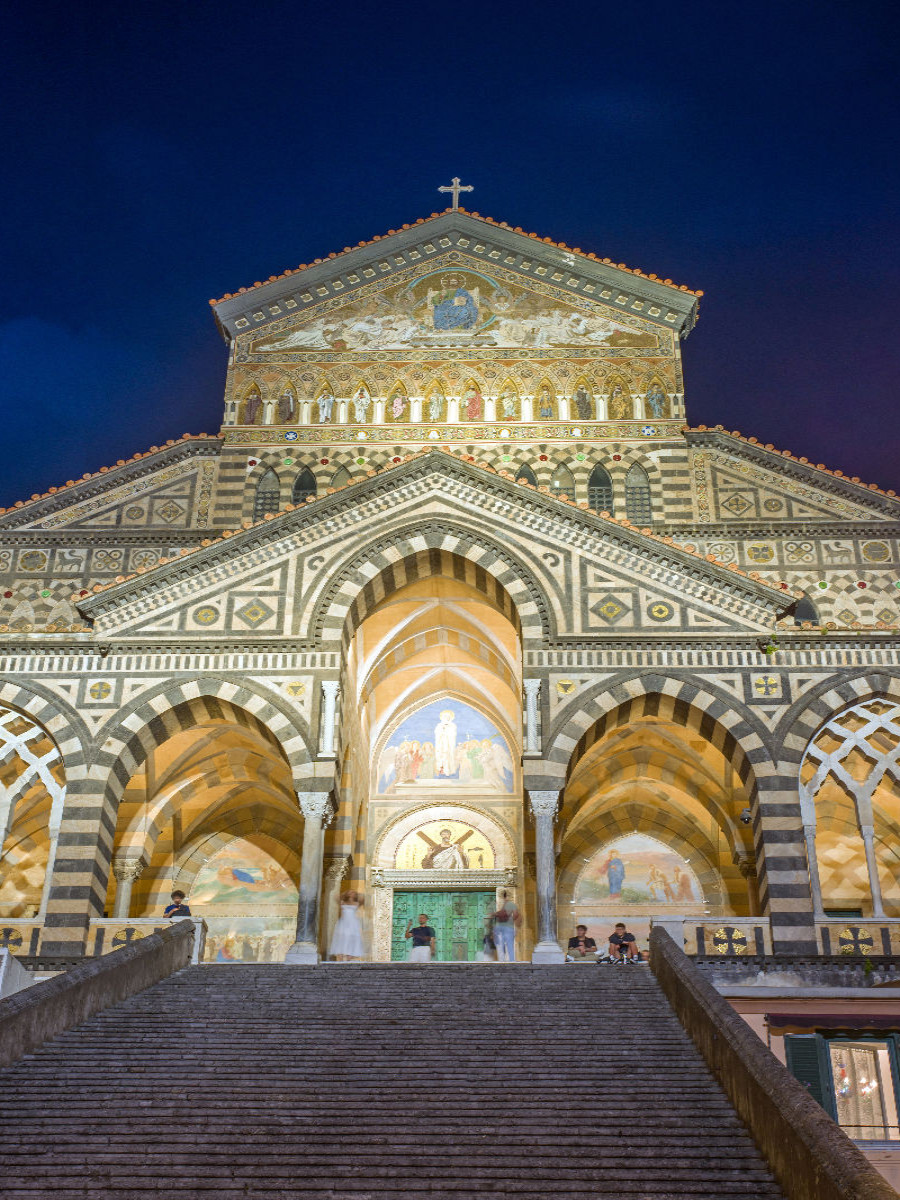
{"x": 457, "y": 919}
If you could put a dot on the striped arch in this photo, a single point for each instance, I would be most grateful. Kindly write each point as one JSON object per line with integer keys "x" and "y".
{"x": 435, "y": 549}
{"x": 591, "y": 715}
{"x": 804, "y": 719}
{"x": 153, "y": 717}
{"x": 655, "y": 823}
{"x": 61, "y": 722}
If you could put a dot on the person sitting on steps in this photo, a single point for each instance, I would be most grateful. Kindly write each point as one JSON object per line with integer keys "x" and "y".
{"x": 581, "y": 947}
{"x": 623, "y": 946}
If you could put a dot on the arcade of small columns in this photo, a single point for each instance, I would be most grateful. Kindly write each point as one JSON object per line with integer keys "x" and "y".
{"x": 219, "y": 775}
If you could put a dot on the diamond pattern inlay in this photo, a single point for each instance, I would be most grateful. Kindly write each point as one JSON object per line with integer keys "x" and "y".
{"x": 254, "y": 612}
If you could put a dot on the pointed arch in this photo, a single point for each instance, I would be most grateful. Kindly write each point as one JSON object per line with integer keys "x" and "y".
{"x": 583, "y": 406}
{"x": 546, "y": 406}
{"x": 434, "y": 407}
{"x": 509, "y": 403}
{"x": 323, "y": 405}
{"x": 657, "y": 405}
{"x": 397, "y": 408}
{"x": 638, "y": 506}
{"x": 341, "y": 478}
{"x": 251, "y": 407}
{"x": 361, "y": 403}
{"x": 805, "y": 612}
{"x": 562, "y": 482}
{"x": 600, "y": 490}
{"x": 619, "y": 404}
{"x": 268, "y": 495}
{"x": 304, "y": 486}
{"x": 526, "y": 475}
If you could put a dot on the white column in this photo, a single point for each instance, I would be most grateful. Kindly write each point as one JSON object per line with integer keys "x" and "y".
{"x": 543, "y": 808}
{"x": 812, "y": 864}
{"x": 126, "y": 871}
{"x": 868, "y": 837}
{"x": 532, "y": 692}
{"x": 56, "y": 815}
{"x": 330, "y": 688}
{"x": 317, "y": 812}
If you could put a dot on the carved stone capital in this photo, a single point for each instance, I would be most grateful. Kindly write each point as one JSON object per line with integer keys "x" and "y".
{"x": 543, "y": 804}
{"x": 336, "y": 870}
{"x": 532, "y": 687}
{"x": 745, "y": 863}
{"x": 316, "y": 806}
{"x": 127, "y": 868}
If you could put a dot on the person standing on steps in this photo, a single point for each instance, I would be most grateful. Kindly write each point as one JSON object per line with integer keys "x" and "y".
{"x": 422, "y": 939}
{"x": 347, "y": 939}
{"x": 506, "y": 918}
{"x": 177, "y": 908}
{"x": 622, "y": 945}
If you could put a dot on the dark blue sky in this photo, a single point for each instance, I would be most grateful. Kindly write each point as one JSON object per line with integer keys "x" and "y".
{"x": 159, "y": 155}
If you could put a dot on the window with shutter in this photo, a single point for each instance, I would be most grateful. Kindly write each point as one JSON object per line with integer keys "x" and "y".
{"x": 304, "y": 485}
{"x": 268, "y": 495}
{"x": 637, "y": 496}
{"x": 807, "y": 1061}
{"x": 600, "y": 492}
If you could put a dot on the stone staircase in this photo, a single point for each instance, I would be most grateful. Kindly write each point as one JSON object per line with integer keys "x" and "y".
{"x": 369, "y": 1082}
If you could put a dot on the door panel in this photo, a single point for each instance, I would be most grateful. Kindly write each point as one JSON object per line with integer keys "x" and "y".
{"x": 456, "y": 917}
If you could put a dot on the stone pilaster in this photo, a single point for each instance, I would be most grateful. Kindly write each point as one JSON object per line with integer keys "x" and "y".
{"x": 544, "y": 806}
{"x": 317, "y": 813}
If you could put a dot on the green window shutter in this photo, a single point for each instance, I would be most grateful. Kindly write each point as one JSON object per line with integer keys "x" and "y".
{"x": 807, "y": 1060}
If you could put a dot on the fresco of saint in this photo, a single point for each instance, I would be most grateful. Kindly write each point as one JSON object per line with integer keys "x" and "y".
{"x": 326, "y": 404}
{"x": 361, "y": 406}
{"x": 285, "y": 408}
{"x": 448, "y": 855}
{"x": 618, "y": 404}
{"x": 545, "y": 405}
{"x": 473, "y": 404}
{"x": 656, "y": 401}
{"x": 584, "y": 405}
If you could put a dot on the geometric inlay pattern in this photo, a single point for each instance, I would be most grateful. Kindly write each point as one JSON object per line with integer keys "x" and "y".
{"x": 254, "y": 612}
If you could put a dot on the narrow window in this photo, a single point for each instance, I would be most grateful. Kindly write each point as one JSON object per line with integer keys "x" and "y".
{"x": 268, "y": 496}
{"x": 526, "y": 475}
{"x": 304, "y": 485}
{"x": 340, "y": 478}
{"x": 600, "y": 492}
{"x": 805, "y": 611}
{"x": 562, "y": 482}
{"x": 637, "y": 496}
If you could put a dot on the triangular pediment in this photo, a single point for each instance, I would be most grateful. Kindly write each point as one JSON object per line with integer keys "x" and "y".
{"x": 508, "y": 259}
{"x": 593, "y": 577}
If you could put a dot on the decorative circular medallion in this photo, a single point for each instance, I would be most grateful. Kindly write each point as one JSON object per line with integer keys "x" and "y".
{"x": 33, "y": 560}
{"x": 126, "y": 934}
{"x": 660, "y": 611}
{"x": 288, "y": 462}
{"x": 205, "y": 615}
{"x": 10, "y": 938}
{"x": 45, "y": 593}
{"x": 876, "y": 551}
{"x": 855, "y": 940}
{"x": 760, "y": 552}
{"x": 360, "y": 462}
{"x": 772, "y": 505}
{"x": 99, "y": 690}
{"x": 291, "y": 435}
{"x": 134, "y": 512}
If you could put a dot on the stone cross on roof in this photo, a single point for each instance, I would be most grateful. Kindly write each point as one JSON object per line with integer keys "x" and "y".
{"x": 456, "y": 187}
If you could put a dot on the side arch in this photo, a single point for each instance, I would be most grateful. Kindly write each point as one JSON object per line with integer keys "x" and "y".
{"x": 804, "y": 718}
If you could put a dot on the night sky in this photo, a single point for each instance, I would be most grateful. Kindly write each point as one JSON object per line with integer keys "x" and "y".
{"x": 159, "y": 155}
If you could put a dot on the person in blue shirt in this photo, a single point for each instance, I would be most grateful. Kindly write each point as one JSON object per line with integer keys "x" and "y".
{"x": 177, "y": 908}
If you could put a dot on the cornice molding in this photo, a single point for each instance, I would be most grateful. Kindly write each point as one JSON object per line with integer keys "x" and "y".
{"x": 789, "y": 467}
{"x": 482, "y": 240}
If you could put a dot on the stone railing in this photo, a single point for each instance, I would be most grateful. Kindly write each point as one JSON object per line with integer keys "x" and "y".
{"x": 728, "y": 936}
{"x": 861, "y": 937}
{"x": 112, "y": 933}
{"x": 811, "y": 1156}
{"x": 34, "y": 1016}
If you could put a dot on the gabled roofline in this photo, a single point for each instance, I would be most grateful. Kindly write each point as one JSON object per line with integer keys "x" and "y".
{"x": 787, "y": 464}
{"x": 233, "y": 305}
{"x": 191, "y": 561}
{"x": 93, "y": 483}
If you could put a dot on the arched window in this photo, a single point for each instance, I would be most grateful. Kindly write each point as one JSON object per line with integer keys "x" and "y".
{"x": 340, "y": 478}
{"x": 805, "y": 611}
{"x": 562, "y": 482}
{"x": 268, "y": 495}
{"x": 637, "y": 496}
{"x": 600, "y": 492}
{"x": 304, "y": 485}
{"x": 526, "y": 475}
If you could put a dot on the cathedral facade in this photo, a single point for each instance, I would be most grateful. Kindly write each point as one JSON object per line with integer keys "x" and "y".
{"x": 455, "y": 604}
